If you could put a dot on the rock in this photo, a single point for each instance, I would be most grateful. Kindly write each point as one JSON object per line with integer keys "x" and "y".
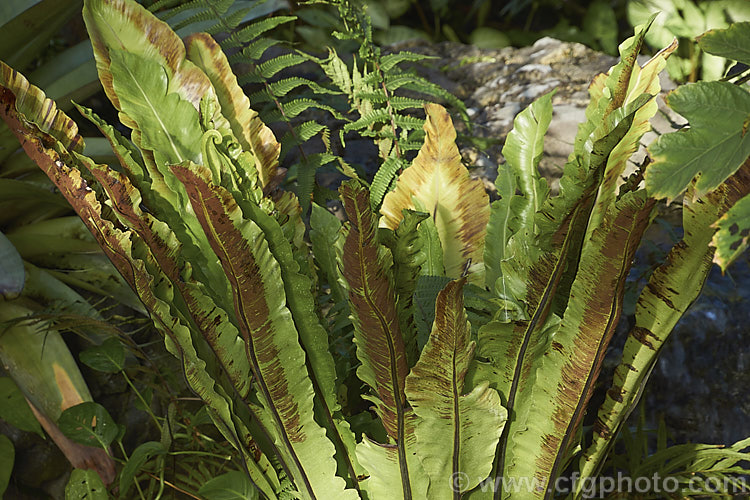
{"x": 498, "y": 84}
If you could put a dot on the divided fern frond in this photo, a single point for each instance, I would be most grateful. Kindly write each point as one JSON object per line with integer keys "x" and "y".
{"x": 303, "y": 132}
{"x": 282, "y": 87}
{"x": 254, "y": 50}
{"x": 254, "y": 30}
{"x": 384, "y": 177}
{"x": 229, "y": 22}
{"x": 293, "y": 108}
{"x": 379, "y": 115}
{"x": 373, "y": 84}
{"x": 390, "y": 61}
{"x": 271, "y": 67}
{"x": 206, "y": 10}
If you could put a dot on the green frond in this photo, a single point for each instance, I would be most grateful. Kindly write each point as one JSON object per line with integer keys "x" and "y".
{"x": 409, "y": 145}
{"x": 408, "y": 122}
{"x": 282, "y": 87}
{"x": 205, "y": 16}
{"x": 228, "y": 23}
{"x": 163, "y": 4}
{"x": 209, "y": 9}
{"x": 300, "y": 134}
{"x": 416, "y": 83}
{"x": 398, "y": 103}
{"x": 336, "y": 69}
{"x": 249, "y": 78}
{"x": 392, "y": 60}
{"x": 269, "y": 68}
{"x": 306, "y": 175}
{"x": 297, "y": 106}
{"x": 254, "y": 30}
{"x": 370, "y": 118}
{"x": 254, "y": 50}
{"x": 383, "y": 179}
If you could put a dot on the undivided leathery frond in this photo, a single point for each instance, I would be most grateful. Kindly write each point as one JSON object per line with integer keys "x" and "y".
{"x": 672, "y": 288}
{"x": 457, "y": 204}
{"x": 469, "y": 421}
{"x": 252, "y": 133}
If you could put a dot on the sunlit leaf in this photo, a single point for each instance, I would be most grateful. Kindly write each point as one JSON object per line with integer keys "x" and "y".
{"x": 457, "y": 431}
{"x": 276, "y": 358}
{"x": 672, "y": 288}
{"x": 732, "y": 43}
{"x": 457, "y": 203}
{"x": 380, "y": 344}
{"x": 714, "y": 145}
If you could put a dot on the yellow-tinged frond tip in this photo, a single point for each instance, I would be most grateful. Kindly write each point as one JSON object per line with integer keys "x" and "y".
{"x": 439, "y": 182}
{"x": 253, "y": 134}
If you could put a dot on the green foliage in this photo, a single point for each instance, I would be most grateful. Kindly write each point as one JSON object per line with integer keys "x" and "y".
{"x": 714, "y": 146}
{"x": 7, "y": 457}
{"x": 690, "y": 470}
{"x": 719, "y": 147}
{"x": 192, "y": 220}
{"x": 230, "y": 486}
{"x": 89, "y": 424}
{"x": 685, "y": 20}
{"x": 14, "y": 409}
{"x": 85, "y": 484}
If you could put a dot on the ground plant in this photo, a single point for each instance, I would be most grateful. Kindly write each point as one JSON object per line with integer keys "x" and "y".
{"x": 434, "y": 345}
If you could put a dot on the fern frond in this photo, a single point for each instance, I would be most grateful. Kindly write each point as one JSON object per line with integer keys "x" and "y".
{"x": 410, "y": 145}
{"x": 230, "y": 22}
{"x": 305, "y": 131}
{"x": 211, "y": 10}
{"x": 397, "y": 103}
{"x": 383, "y": 179}
{"x": 254, "y": 30}
{"x": 302, "y": 133}
{"x": 271, "y": 67}
{"x": 379, "y": 115}
{"x": 282, "y": 87}
{"x": 293, "y": 108}
{"x": 390, "y": 61}
{"x": 421, "y": 85}
{"x": 306, "y": 170}
{"x": 254, "y": 50}
{"x": 408, "y": 122}
{"x": 335, "y": 68}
